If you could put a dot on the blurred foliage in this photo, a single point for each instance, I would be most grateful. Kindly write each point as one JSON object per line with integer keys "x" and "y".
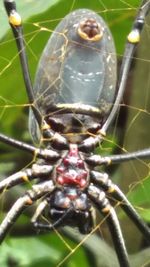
{"x": 39, "y": 19}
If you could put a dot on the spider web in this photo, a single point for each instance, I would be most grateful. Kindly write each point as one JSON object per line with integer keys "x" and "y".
{"x": 129, "y": 132}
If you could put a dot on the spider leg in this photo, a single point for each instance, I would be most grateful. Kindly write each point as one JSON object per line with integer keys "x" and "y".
{"x": 97, "y": 160}
{"x": 36, "y": 152}
{"x": 28, "y": 199}
{"x": 37, "y": 171}
{"x": 44, "y": 226}
{"x": 15, "y": 23}
{"x": 113, "y": 190}
{"x": 98, "y": 197}
{"x": 15, "y": 179}
{"x": 132, "y": 40}
{"x": 13, "y": 214}
{"x": 41, "y": 207}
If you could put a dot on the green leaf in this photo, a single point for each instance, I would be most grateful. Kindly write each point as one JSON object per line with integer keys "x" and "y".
{"x": 26, "y": 251}
{"x": 26, "y": 9}
{"x": 140, "y": 194}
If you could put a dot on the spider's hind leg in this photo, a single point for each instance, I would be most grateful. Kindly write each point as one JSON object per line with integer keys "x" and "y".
{"x": 101, "y": 202}
{"x": 112, "y": 190}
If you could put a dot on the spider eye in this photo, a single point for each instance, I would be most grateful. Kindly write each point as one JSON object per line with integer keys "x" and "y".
{"x": 90, "y": 30}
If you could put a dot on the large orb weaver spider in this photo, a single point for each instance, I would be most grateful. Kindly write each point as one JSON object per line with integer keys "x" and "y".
{"x": 74, "y": 183}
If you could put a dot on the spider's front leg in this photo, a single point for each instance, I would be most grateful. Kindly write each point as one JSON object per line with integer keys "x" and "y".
{"x": 15, "y": 22}
{"x": 98, "y": 197}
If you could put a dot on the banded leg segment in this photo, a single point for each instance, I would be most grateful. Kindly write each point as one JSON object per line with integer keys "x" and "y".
{"x": 99, "y": 199}
{"x": 113, "y": 190}
{"x": 97, "y": 160}
{"x": 37, "y": 171}
{"x": 37, "y": 152}
{"x": 13, "y": 214}
{"x": 16, "y": 25}
{"x": 132, "y": 41}
{"x": 31, "y": 196}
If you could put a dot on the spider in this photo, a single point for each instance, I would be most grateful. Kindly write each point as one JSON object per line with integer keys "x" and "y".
{"x": 75, "y": 84}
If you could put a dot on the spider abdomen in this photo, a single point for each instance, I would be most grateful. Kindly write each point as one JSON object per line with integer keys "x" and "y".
{"x": 78, "y": 64}
{"x": 77, "y": 70}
